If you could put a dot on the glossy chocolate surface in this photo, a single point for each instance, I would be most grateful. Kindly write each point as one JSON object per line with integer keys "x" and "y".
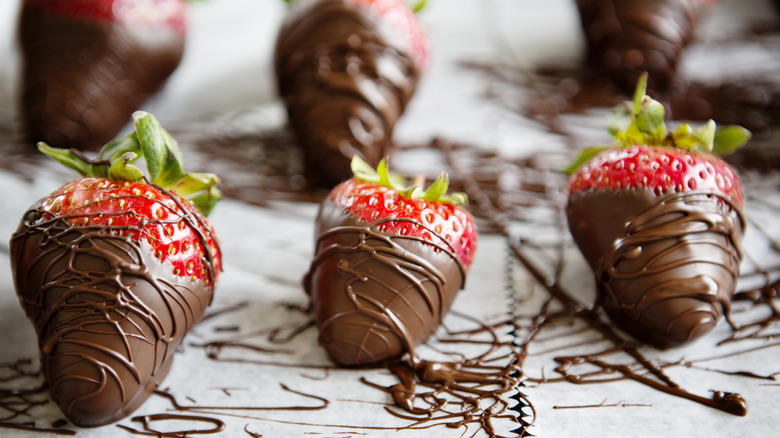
{"x": 666, "y": 266}
{"x": 108, "y": 315}
{"x": 628, "y": 37}
{"x": 344, "y": 85}
{"x": 82, "y": 80}
{"x": 376, "y": 296}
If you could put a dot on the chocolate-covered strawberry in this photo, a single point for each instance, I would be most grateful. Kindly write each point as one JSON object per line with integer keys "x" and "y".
{"x": 346, "y": 70}
{"x": 627, "y": 37}
{"x": 659, "y": 219}
{"x": 113, "y": 269}
{"x": 88, "y": 64}
{"x": 388, "y": 263}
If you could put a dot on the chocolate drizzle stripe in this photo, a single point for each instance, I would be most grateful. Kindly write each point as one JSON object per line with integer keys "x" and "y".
{"x": 727, "y": 402}
{"x": 108, "y": 318}
{"x": 357, "y": 251}
{"x": 671, "y": 273}
{"x": 344, "y": 86}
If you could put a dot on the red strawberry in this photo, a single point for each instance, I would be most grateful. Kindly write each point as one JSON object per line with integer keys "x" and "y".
{"x": 659, "y": 220}
{"x": 346, "y": 70}
{"x": 88, "y": 64}
{"x": 402, "y": 27}
{"x": 388, "y": 263}
{"x": 113, "y": 270}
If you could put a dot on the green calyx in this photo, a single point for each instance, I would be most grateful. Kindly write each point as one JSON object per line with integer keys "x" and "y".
{"x": 641, "y": 122}
{"x": 415, "y": 6}
{"x": 382, "y": 176}
{"x": 163, "y": 162}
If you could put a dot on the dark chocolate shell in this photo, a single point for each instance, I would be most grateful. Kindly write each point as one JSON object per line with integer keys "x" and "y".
{"x": 108, "y": 317}
{"x": 344, "y": 86}
{"x": 628, "y": 37}
{"x": 376, "y": 296}
{"x": 82, "y": 80}
{"x": 666, "y": 266}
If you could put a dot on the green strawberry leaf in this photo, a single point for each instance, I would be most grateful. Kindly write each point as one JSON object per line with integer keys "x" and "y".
{"x": 438, "y": 189}
{"x": 393, "y": 180}
{"x": 121, "y": 170}
{"x": 729, "y": 138}
{"x": 649, "y": 120}
{"x": 163, "y": 161}
{"x": 162, "y": 155}
{"x": 363, "y": 171}
{"x": 119, "y": 146}
{"x": 200, "y": 189}
{"x": 583, "y": 157}
{"x": 419, "y": 6}
{"x": 77, "y": 161}
{"x": 641, "y": 122}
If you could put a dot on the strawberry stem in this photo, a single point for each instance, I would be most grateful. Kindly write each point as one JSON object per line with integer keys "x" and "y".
{"x": 393, "y": 180}
{"x": 163, "y": 161}
{"x": 641, "y": 122}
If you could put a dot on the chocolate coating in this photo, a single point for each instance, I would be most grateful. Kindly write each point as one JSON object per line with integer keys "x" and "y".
{"x": 109, "y": 318}
{"x": 628, "y": 37}
{"x": 82, "y": 80}
{"x": 344, "y": 85}
{"x": 666, "y": 267}
{"x": 375, "y": 295}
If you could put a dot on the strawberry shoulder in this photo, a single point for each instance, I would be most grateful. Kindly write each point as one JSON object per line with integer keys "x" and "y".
{"x": 432, "y": 221}
{"x": 131, "y": 13}
{"x": 171, "y": 227}
{"x": 661, "y": 169}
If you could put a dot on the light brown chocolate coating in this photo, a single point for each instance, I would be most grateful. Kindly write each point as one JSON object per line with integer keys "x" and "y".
{"x": 376, "y": 296}
{"x": 108, "y": 315}
{"x": 666, "y": 266}
{"x": 82, "y": 80}
{"x": 344, "y": 85}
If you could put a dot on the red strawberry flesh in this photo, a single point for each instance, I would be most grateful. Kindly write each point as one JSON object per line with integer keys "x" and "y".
{"x": 147, "y": 215}
{"x": 661, "y": 169}
{"x": 371, "y": 201}
{"x": 133, "y": 13}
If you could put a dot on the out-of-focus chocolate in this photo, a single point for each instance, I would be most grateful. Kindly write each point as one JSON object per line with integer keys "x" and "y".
{"x": 82, "y": 80}
{"x": 666, "y": 267}
{"x": 344, "y": 85}
{"x": 628, "y": 37}
{"x": 108, "y": 319}
{"x": 376, "y": 296}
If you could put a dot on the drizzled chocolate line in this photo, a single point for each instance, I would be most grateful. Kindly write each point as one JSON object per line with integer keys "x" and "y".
{"x": 17, "y": 402}
{"x": 344, "y": 86}
{"x": 107, "y": 316}
{"x": 147, "y": 420}
{"x": 656, "y": 378}
{"x": 670, "y": 274}
{"x": 389, "y": 293}
{"x": 628, "y": 37}
{"x": 204, "y": 408}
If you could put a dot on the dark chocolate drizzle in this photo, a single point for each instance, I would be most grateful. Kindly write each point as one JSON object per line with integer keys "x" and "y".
{"x": 108, "y": 317}
{"x": 148, "y": 430}
{"x": 344, "y": 86}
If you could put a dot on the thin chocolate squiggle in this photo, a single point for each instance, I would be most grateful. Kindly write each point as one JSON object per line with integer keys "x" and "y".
{"x": 628, "y": 37}
{"x": 344, "y": 86}
{"x": 377, "y": 295}
{"x": 108, "y": 315}
{"x": 670, "y": 277}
